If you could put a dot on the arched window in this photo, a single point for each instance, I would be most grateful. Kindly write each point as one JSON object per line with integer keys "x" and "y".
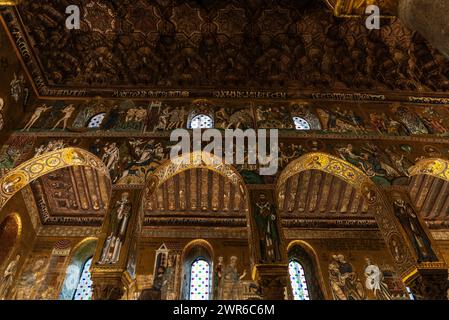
{"x": 95, "y": 121}
{"x": 298, "y": 281}
{"x": 201, "y": 121}
{"x": 200, "y": 280}
{"x": 84, "y": 288}
{"x": 301, "y": 123}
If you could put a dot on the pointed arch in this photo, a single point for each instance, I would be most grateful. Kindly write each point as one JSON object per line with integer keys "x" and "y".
{"x": 30, "y": 170}
{"x": 80, "y": 254}
{"x": 377, "y": 202}
{"x": 199, "y": 253}
{"x": 315, "y": 264}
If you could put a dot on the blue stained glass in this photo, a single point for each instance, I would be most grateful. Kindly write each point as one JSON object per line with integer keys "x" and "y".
{"x": 84, "y": 288}
{"x": 199, "y": 280}
{"x": 298, "y": 281}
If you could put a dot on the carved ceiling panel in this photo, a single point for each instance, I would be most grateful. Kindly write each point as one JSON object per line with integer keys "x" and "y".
{"x": 316, "y": 194}
{"x": 197, "y": 196}
{"x": 179, "y": 44}
{"x": 74, "y": 195}
{"x": 430, "y": 195}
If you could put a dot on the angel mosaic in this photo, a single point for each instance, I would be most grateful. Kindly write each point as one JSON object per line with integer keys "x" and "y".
{"x": 143, "y": 157}
{"x": 341, "y": 120}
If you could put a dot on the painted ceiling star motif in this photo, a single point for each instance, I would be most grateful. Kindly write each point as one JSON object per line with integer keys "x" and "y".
{"x": 99, "y": 17}
{"x": 274, "y": 21}
{"x": 231, "y": 20}
{"x": 143, "y": 17}
{"x": 187, "y": 20}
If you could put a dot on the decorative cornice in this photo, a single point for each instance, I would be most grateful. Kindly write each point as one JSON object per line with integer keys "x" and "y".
{"x": 68, "y": 231}
{"x": 329, "y": 223}
{"x": 192, "y": 232}
{"x": 295, "y": 234}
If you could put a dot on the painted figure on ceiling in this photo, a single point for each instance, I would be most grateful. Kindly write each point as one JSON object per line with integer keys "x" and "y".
{"x": 374, "y": 163}
{"x": 344, "y": 281}
{"x": 341, "y": 120}
{"x": 111, "y": 157}
{"x": 67, "y": 113}
{"x": 410, "y": 120}
{"x": 17, "y": 87}
{"x": 118, "y": 226}
{"x": 414, "y": 230}
{"x": 8, "y": 159}
{"x": 143, "y": 157}
{"x": 434, "y": 121}
{"x": 266, "y": 221}
{"x": 52, "y": 145}
{"x": 36, "y": 115}
{"x": 375, "y": 281}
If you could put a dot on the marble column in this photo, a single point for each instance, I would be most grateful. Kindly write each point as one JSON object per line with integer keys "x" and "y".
{"x": 429, "y": 18}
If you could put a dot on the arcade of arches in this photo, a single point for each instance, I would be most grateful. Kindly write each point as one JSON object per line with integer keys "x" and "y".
{"x": 93, "y": 207}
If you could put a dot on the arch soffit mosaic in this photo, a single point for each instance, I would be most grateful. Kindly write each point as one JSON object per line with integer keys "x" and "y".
{"x": 329, "y": 164}
{"x": 435, "y": 167}
{"x": 383, "y": 211}
{"x": 30, "y": 170}
{"x": 194, "y": 160}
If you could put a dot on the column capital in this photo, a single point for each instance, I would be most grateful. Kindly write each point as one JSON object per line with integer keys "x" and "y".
{"x": 272, "y": 280}
{"x": 429, "y": 281}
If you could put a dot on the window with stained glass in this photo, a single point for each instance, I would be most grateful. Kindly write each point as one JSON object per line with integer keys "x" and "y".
{"x": 201, "y": 121}
{"x": 96, "y": 120}
{"x": 84, "y": 288}
{"x": 298, "y": 281}
{"x": 200, "y": 280}
{"x": 301, "y": 123}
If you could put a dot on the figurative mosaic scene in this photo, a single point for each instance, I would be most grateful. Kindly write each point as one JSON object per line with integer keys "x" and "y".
{"x": 224, "y": 150}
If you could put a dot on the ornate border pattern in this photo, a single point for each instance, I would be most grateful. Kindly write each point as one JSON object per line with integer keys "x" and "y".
{"x": 194, "y": 160}
{"x": 27, "y": 172}
{"x": 379, "y": 205}
{"x": 438, "y": 168}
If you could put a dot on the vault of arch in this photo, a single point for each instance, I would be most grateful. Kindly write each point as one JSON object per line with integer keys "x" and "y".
{"x": 194, "y": 160}
{"x": 378, "y": 204}
{"x": 29, "y": 171}
{"x": 429, "y": 190}
{"x": 317, "y": 194}
{"x": 329, "y": 164}
{"x": 202, "y": 193}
